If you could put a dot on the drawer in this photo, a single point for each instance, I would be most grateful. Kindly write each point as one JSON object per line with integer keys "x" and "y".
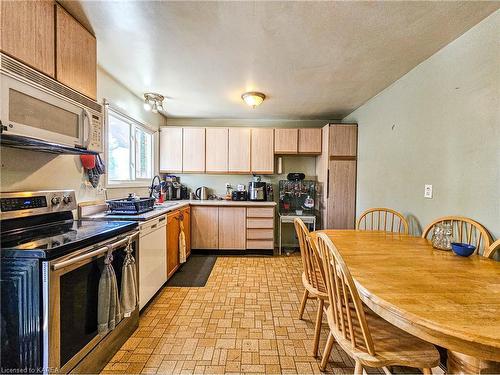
{"x": 260, "y": 223}
{"x": 260, "y": 244}
{"x": 260, "y": 212}
{"x": 260, "y": 234}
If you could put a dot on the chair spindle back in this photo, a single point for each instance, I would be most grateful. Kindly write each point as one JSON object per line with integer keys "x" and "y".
{"x": 311, "y": 261}
{"x": 384, "y": 219}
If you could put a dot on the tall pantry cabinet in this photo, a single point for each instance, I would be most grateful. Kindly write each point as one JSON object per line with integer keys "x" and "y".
{"x": 336, "y": 171}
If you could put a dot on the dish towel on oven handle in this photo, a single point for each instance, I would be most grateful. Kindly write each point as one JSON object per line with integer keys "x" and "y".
{"x": 129, "y": 295}
{"x": 182, "y": 243}
{"x": 108, "y": 303}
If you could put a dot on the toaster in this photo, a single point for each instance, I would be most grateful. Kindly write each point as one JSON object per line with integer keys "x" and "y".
{"x": 239, "y": 195}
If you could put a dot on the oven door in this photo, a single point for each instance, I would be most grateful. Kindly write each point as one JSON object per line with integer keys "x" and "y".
{"x": 70, "y": 299}
{"x": 29, "y": 111}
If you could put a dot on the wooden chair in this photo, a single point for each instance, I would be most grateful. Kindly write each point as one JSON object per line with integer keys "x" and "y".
{"x": 368, "y": 339}
{"x": 384, "y": 219}
{"x": 464, "y": 230}
{"x": 494, "y": 247}
{"x": 312, "y": 278}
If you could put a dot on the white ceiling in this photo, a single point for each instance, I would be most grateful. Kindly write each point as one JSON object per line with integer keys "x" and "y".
{"x": 312, "y": 59}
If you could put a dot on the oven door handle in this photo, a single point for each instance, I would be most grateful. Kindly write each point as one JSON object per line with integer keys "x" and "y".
{"x": 79, "y": 258}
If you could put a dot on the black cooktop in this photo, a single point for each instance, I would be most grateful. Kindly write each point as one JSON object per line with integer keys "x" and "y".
{"x": 55, "y": 239}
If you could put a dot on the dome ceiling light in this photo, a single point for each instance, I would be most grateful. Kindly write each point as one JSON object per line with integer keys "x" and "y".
{"x": 153, "y": 102}
{"x": 253, "y": 98}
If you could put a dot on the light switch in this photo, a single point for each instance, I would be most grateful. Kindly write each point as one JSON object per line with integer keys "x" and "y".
{"x": 428, "y": 191}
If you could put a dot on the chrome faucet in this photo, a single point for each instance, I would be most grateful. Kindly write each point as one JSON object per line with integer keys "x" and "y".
{"x": 152, "y": 188}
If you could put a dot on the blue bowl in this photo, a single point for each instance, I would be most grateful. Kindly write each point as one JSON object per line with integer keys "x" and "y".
{"x": 462, "y": 249}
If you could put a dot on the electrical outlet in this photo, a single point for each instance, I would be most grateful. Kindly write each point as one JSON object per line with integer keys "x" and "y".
{"x": 428, "y": 191}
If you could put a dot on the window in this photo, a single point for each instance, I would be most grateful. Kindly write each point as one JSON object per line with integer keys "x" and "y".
{"x": 130, "y": 150}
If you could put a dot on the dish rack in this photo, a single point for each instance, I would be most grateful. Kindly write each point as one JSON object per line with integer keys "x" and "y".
{"x": 133, "y": 206}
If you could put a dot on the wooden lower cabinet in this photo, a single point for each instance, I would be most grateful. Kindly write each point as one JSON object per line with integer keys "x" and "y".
{"x": 204, "y": 227}
{"x": 232, "y": 228}
{"x": 186, "y": 221}
{"x": 342, "y": 194}
{"x": 173, "y": 230}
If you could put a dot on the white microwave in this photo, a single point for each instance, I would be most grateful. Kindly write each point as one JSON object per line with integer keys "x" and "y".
{"x": 37, "y": 107}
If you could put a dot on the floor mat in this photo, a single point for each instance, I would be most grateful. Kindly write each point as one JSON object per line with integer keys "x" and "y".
{"x": 195, "y": 272}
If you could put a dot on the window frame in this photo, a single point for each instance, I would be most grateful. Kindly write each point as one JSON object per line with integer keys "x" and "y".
{"x": 134, "y": 124}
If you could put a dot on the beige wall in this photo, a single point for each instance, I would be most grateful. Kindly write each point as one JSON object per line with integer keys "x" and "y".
{"x": 439, "y": 125}
{"x": 29, "y": 170}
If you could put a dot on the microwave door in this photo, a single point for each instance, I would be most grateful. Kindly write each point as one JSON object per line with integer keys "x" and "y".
{"x": 31, "y": 112}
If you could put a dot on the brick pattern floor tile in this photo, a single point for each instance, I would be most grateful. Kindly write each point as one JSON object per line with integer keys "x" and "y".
{"x": 243, "y": 321}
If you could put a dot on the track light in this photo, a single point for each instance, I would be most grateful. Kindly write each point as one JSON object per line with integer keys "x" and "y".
{"x": 153, "y": 102}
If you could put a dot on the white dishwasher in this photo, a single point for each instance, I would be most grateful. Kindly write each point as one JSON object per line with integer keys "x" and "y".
{"x": 152, "y": 258}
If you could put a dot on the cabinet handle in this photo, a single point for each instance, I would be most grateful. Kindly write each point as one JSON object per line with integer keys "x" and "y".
{"x": 162, "y": 218}
{"x": 154, "y": 226}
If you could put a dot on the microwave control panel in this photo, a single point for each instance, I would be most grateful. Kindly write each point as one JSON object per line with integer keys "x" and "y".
{"x": 95, "y": 137}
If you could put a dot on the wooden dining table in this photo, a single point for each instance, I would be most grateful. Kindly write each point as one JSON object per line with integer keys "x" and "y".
{"x": 445, "y": 299}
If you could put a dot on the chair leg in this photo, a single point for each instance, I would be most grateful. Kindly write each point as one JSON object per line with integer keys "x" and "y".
{"x": 427, "y": 371}
{"x": 358, "y": 369}
{"x": 303, "y": 303}
{"x": 327, "y": 352}
{"x": 317, "y": 327}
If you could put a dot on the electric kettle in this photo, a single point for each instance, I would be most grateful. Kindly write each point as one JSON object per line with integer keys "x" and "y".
{"x": 202, "y": 193}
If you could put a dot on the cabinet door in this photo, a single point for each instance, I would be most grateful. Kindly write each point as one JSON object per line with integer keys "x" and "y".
{"x": 76, "y": 55}
{"x": 170, "y": 149}
{"x": 28, "y": 33}
{"x": 217, "y": 149}
{"x": 310, "y": 141}
{"x": 186, "y": 221}
{"x": 262, "y": 154}
{"x": 239, "y": 150}
{"x": 343, "y": 140}
{"x": 204, "y": 227}
{"x": 286, "y": 141}
{"x": 193, "y": 150}
{"x": 172, "y": 242}
{"x": 342, "y": 194}
{"x": 232, "y": 228}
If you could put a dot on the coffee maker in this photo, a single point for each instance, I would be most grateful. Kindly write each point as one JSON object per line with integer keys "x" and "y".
{"x": 257, "y": 189}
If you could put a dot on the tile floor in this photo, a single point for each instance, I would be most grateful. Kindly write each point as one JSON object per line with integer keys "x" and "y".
{"x": 243, "y": 321}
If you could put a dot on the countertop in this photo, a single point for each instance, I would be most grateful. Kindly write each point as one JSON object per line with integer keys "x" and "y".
{"x": 163, "y": 208}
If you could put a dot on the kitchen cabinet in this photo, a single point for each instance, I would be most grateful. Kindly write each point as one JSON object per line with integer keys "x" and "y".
{"x": 262, "y": 150}
{"x": 28, "y": 33}
{"x": 286, "y": 141}
{"x": 76, "y": 54}
{"x": 343, "y": 140}
{"x": 342, "y": 194}
{"x": 173, "y": 230}
{"x": 260, "y": 228}
{"x": 186, "y": 222}
{"x": 217, "y": 150}
{"x": 204, "y": 227}
{"x": 193, "y": 150}
{"x": 239, "y": 150}
{"x": 310, "y": 141}
{"x": 170, "y": 149}
{"x": 232, "y": 226}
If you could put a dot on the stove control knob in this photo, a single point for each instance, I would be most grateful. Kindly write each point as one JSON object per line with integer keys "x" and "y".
{"x": 55, "y": 201}
{"x": 66, "y": 199}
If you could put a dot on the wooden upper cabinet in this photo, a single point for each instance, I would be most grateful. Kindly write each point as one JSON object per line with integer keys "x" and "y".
{"x": 217, "y": 150}
{"x": 343, "y": 140}
{"x": 170, "y": 149}
{"x": 76, "y": 54}
{"x": 27, "y": 33}
{"x": 286, "y": 141}
{"x": 310, "y": 141}
{"x": 262, "y": 154}
{"x": 193, "y": 150}
{"x": 239, "y": 150}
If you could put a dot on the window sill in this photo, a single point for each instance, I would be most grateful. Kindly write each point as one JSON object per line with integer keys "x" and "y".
{"x": 122, "y": 185}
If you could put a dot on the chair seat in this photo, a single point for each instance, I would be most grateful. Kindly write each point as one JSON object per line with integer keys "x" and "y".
{"x": 393, "y": 346}
{"x": 317, "y": 291}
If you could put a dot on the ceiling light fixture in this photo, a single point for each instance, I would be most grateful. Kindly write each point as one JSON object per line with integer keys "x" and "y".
{"x": 153, "y": 102}
{"x": 253, "y": 98}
